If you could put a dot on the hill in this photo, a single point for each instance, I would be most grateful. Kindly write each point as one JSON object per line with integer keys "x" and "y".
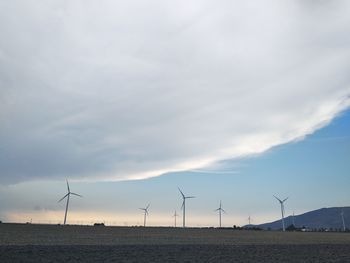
{"x": 324, "y": 218}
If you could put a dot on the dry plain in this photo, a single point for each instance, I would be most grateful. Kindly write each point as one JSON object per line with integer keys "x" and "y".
{"x": 54, "y": 243}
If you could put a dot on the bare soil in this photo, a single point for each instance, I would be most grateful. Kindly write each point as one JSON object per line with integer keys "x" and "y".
{"x": 52, "y": 243}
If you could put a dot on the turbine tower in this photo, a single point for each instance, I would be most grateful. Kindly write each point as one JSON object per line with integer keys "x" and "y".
{"x": 282, "y": 210}
{"x": 293, "y": 219}
{"x": 183, "y": 207}
{"x": 145, "y": 214}
{"x": 342, "y": 217}
{"x": 220, "y": 210}
{"x": 175, "y": 216}
{"x": 68, "y": 196}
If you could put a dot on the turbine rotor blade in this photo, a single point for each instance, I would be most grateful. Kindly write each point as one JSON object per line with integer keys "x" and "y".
{"x": 223, "y": 211}
{"x": 76, "y": 194}
{"x": 68, "y": 186}
{"x": 147, "y": 206}
{"x": 278, "y": 199}
{"x": 63, "y": 198}
{"x": 190, "y": 197}
{"x": 285, "y": 199}
{"x": 183, "y": 196}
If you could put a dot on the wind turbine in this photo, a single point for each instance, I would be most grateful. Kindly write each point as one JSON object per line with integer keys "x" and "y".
{"x": 249, "y": 219}
{"x": 220, "y": 210}
{"x": 146, "y": 214}
{"x": 175, "y": 216}
{"x": 293, "y": 219}
{"x": 342, "y": 217}
{"x": 282, "y": 210}
{"x": 183, "y": 206}
{"x": 68, "y": 196}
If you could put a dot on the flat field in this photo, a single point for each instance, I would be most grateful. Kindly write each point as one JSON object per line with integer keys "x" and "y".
{"x": 53, "y": 243}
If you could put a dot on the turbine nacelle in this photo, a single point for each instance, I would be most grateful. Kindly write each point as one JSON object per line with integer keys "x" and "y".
{"x": 281, "y": 201}
{"x": 220, "y": 208}
{"x": 183, "y": 195}
{"x": 69, "y": 193}
{"x": 145, "y": 209}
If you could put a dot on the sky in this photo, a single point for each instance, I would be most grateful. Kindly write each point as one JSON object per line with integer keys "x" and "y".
{"x": 228, "y": 100}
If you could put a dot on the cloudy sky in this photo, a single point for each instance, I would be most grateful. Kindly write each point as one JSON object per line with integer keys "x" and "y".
{"x": 191, "y": 94}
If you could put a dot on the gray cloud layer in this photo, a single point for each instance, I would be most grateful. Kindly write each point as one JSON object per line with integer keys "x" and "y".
{"x": 131, "y": 89}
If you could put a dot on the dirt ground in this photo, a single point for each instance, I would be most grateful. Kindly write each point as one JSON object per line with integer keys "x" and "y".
{"x": 52, "y": 243}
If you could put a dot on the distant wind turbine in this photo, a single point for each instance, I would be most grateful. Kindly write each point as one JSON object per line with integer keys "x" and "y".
{"x": 249, "y": 219}
{"x": 183, "y": 206}
{"x": 293, "y": 219}
{"x": 68, "y": 196}
{"x": 342, "y": 217}
{"x": 175, "y": 216}
{"x": 145, "y": 214}
{"x": 220, "y": 209}
{"x": 282, "y": 210}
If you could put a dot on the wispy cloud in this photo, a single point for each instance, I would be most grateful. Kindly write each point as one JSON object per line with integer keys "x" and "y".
{"x": 122, "y": 90}
{"x": 214, "y": 171}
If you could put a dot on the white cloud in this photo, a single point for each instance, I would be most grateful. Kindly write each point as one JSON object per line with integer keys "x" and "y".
{"x": 115, "y": 89}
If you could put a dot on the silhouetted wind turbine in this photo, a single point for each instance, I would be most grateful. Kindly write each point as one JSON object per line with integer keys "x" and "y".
{"x": 342, "y": 217}
{"x": 282, "y": 210}
{"x": 175, "y": 216}
{"x": 146, "y": 214}
{"x": 183, "y": 206}
{"x": 68, "y": 196}
{"x": 220, "y": 210}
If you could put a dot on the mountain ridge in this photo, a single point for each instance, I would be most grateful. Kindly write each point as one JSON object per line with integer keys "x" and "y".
{"x": 324, "y": 218}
